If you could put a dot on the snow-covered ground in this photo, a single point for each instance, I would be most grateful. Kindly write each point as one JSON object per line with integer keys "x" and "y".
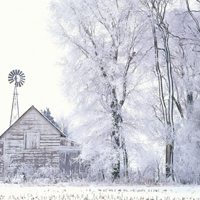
{"x": 25, "y": 192}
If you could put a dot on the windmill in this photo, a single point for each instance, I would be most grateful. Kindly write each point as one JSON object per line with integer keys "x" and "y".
{"x": 18, "y": 78}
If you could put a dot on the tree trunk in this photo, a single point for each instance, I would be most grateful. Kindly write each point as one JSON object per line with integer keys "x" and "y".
{"x": 125, "y": 160}
{"x": 170, "y": 132}
{"x": 169, "y": 161}
{"x": 115, "y": 133}
{"x": 119, "y": 142}
{"x": 157, "y": 19}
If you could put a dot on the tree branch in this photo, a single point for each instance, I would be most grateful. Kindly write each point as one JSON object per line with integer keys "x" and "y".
{"x": 193, "y": 17}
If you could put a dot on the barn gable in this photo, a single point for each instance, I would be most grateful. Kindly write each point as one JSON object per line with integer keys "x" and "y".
{"x": 34, "y": 116}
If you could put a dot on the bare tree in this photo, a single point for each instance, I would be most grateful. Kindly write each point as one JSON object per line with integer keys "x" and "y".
{"x": 161, "y": 36}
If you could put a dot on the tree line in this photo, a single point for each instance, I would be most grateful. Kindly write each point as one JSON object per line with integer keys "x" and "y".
{"x": 132, "y": 70}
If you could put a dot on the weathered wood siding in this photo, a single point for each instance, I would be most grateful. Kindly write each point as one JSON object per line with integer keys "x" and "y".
{"x": 20, "y": 150}
{"x": 1, "y": 161}
{"x": 69, "y": 151}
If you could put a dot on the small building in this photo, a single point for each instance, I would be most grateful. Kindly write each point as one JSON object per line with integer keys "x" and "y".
{"x": 33, "y": 141}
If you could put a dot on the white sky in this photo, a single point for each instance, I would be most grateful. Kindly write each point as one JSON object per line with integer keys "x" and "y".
{"x": 25, "y": 44}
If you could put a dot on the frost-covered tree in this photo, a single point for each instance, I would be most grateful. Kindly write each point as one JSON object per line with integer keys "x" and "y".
{"x": 132, "y": 70}
{"x": 175, "y": 40}
{"x": 105, "y": 44}
{"x": 187, "y": 79}
{"x": 175, "y": 33}
{"x": 156, "y": 10}
{"x": 47, "y": 113}
{"x": 63, "y": 124}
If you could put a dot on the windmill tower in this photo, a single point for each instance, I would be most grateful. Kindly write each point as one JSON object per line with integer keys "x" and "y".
{"x": 18, "y": 78}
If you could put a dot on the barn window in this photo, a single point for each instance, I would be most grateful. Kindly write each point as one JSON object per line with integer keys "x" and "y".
{"x": 32, "y": 140}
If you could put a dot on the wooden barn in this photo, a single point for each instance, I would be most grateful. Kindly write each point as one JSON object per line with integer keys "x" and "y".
{"x": 33, "y": 141}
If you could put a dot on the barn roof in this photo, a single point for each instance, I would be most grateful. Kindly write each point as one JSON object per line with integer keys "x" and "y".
{"x": 32, "y": 107}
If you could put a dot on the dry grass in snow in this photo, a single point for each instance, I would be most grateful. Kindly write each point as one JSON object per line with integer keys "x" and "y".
{"x": 12, "y": 192}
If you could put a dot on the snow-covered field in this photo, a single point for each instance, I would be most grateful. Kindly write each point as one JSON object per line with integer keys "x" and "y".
{"x": 12, "y": 192}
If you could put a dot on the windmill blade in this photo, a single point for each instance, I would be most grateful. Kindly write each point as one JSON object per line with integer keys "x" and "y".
{"x": 16, "y": 72}
{"x": 21, "y": 73}
{"x": 10, "y": 76}
{"x": 12, "y": 72}
{"x": 23, "y": 77}
{"x": 10, "y": 81}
